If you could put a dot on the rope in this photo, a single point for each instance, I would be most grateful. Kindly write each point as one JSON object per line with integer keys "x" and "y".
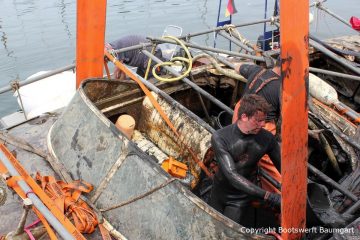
{"x": 61, "y": 171}
{"x": 151, "y": 191}
{"x": 232, "y": 30}
{"x": 187, "y": 61}
{"x": 227, "y": 72}
{"x": 67, "y": 198}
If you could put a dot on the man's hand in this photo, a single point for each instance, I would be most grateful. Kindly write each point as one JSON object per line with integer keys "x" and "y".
{"x": 273, "y": 199}
{"x": 118, "y": 74}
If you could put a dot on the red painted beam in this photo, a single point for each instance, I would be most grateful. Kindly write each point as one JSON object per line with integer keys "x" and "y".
{"x": 294, "y": 29}
{"x": 90, "y": 38}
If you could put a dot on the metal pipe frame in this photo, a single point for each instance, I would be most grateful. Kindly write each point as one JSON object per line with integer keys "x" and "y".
{"x": 134, "y": 47}
{"x": 217, "y": 50}
{"x": 334, "y": 56}
{"x": 224, "y": 27}
{"x": 221, "y": 59}
{"x": 236, "y": 41}
{"x": 317, "y": 2}
{"x": 191, "y": 84}
{"x": 336, "y": 50}
{"x": 331, "y": 182}
{"x": 320, "y": 6}
{"x": 37, "y": 78}
{"x": 143, "y": 45}
{"x": 335, "y": 74}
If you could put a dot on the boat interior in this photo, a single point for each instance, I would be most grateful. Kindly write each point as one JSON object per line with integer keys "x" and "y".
{"x": 195, "y": 117}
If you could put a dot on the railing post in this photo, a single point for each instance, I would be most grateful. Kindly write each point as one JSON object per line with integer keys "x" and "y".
{"x": 294, "y": 30}
{"x": 90, "y": 39}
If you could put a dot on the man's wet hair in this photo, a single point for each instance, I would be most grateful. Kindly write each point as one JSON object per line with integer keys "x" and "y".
{"x": 251, "y": 104}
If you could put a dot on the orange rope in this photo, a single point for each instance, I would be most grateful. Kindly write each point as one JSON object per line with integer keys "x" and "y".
{"x": 67, "y": 198}
{"x": 50, "y": 204}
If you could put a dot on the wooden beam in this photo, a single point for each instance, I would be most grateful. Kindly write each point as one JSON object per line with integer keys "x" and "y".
{"x": 294, "y": 29}
{"x": 90, "y": 39}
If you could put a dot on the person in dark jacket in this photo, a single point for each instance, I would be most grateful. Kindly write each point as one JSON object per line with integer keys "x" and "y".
{"x": 238, "y": 149}
{"x": 265, "y": 83}
{"x": 133, "y": 58}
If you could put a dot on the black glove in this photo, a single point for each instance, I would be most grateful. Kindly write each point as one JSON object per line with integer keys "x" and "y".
{"x": 273, "y": 200}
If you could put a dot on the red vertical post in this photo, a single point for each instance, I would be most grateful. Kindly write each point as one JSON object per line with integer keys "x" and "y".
{"x": 90, "y": 38}
{"x": 294, "y": 30}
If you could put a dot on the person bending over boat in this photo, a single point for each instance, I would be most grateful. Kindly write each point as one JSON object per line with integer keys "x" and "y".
{"x": 265, "y": 83}
{"x": 133, "y": 58}
{"x": 238, "y": 149}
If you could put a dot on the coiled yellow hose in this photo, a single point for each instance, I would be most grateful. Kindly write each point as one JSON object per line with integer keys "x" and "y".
{"x": 187, "y": 61}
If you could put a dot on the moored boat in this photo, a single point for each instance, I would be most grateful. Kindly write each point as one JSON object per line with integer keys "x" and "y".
{"x": 131, "y": 189}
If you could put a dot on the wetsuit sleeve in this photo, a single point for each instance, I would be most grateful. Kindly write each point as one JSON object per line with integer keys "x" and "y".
{"x": 275, "y": 154}
{"x": 227, "y": 166}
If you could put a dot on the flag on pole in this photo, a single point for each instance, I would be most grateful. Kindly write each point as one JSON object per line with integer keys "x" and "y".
{"x": 230, "y": 9}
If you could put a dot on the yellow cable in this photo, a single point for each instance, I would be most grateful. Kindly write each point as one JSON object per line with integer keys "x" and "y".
{"x": 149, "y": 63}
{"x": 187, "y": 60}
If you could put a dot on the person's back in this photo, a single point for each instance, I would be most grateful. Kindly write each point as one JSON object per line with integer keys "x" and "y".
{"x": 265, "y": 83}
{"x": 132, "y": 58}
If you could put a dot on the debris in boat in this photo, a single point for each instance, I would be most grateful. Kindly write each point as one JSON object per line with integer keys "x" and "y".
{"x": 174, "y": 168}
{"x": 191, "y": 134}
{"x": 126, "y": 124}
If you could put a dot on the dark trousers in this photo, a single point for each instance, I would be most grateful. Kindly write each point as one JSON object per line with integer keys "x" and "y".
{"x": 236, "y": 207}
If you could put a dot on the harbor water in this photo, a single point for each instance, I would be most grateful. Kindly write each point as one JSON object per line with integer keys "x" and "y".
{"x": 37, "y": 35}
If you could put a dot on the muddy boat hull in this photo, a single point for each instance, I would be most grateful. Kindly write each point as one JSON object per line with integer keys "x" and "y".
{"x": 91, "y": 148}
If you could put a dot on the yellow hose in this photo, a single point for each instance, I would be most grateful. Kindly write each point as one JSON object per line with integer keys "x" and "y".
{"x": 149, "y": 63}
{"x": 187, "y": 60}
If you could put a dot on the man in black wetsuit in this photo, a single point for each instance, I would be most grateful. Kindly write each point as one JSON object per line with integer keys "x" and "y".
{"x": 133, "y": 58}
{"x": 265, "y": 83}
{"x": 238, "y": 148}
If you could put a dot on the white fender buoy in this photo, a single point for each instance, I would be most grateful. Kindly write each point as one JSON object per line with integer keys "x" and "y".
{"x": 326, "y": 94}
{"x": 321, "y": 90}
